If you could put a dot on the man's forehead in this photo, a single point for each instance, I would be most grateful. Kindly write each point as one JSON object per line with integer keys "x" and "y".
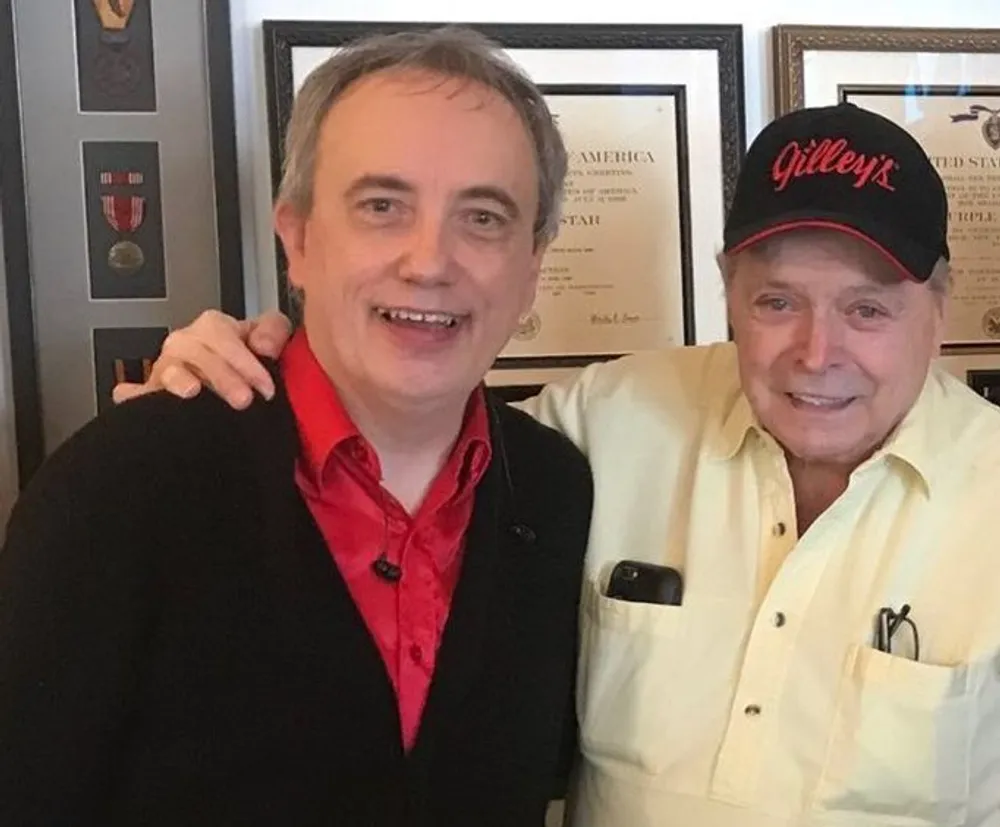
{"x": 817, "y": 282}
{"x": 418, "y": 124}
{"x": 809, "y": 257}
{"x": 411, "y": 99}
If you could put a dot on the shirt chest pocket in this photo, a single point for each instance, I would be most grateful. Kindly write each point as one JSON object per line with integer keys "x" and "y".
{"x": 642, "y": 688}
{"x": 899, "y": 751}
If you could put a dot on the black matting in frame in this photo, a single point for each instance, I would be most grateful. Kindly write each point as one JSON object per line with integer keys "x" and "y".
{"x": 282, "y": 36}
{"x": 29, "y": 433}
{"x": 114, "y": 51}
{"x": 123, "y": 354}
{"x": 986, "y": 383}
{"x": 124, "y": 216}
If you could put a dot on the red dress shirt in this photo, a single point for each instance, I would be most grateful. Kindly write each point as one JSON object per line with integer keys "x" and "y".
{"x": 338, "y": 474}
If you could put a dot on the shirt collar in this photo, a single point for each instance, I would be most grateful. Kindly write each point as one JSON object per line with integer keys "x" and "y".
{"x": 910, "y": 443}
{"x": 324, "y": 424}
{"x": 735, "y": 420}
{"x": 913, "y": 440}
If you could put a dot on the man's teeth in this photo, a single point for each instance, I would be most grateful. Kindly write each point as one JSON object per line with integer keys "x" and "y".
{"x": 434, "y": 317}
{"x": 821, "y": 401}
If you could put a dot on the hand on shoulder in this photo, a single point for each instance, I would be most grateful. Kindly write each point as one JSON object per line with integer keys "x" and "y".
{"x": 218, "y": 352}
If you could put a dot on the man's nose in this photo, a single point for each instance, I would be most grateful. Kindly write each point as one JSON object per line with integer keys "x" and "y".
{"x": 818, "y": 338}
{"x": 428, "y": 251}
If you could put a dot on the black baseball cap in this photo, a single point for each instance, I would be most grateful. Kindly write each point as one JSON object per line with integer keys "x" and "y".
{"x": 849, "y": 169}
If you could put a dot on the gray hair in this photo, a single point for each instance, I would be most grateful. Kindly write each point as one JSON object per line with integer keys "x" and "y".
{"x": 450, "y": 51}
{"x": 939, "y": 282}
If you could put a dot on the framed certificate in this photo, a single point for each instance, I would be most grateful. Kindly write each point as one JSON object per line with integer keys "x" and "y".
{"x": 653, "y": 121}
{"x": 943, "y": 86}
{"x": 589, "y": 305}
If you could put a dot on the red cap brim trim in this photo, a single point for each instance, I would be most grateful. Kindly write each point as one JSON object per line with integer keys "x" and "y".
{"x": 829, "y": 225}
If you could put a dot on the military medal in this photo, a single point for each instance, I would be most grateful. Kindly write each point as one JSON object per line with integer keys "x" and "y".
{"x": 125, "y": 214}
{"x": 117, "y": 72}
{"x": 114, "y": 16}
{"x": 126, "y": 258}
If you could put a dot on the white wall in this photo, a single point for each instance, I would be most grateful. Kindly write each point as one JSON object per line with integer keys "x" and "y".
{"x": 247, "y": 15}
{"x": 756, "y": 18}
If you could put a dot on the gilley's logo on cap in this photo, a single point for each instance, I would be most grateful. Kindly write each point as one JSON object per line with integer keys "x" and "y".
{"x": 831, "y": 157}
{"x": 842, "y": 167}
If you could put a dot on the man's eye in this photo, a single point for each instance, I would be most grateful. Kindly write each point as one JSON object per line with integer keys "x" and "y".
{"x": 869, "y": 311}
{"x": 377, "y": 205}
{"x": 486, "y": 219}
{"x": 775, "y": 303}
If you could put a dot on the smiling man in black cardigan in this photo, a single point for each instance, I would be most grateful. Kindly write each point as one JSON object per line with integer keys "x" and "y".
{"x": 355, "y": 604}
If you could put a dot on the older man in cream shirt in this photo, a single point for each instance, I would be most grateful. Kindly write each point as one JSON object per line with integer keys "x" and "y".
{"x": 829, "y": 496}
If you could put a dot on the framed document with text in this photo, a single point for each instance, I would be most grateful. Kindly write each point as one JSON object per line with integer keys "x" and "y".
{"x": 943, "y": 86}
{"x": 599, "y": 295}
{"x": 652, "y": 117}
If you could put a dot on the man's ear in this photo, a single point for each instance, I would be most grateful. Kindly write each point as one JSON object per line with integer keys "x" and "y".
{"x": 531, "y": 286}
{"x": 941, "y": 304}
{"x": 290, "y": 226}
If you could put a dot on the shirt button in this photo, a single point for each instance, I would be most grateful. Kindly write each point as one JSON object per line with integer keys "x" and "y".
{"x": 779, "y": 529}
{"x": 415, "y": 654}
{"x": 751, "y": 711}
{"x": 779, "y": 619}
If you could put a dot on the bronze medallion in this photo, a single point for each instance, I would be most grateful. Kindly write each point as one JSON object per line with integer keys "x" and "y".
{"x": 126, "y": 258}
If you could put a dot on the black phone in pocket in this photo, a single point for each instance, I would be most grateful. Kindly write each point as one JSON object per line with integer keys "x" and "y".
{"x": 640, "y": 582}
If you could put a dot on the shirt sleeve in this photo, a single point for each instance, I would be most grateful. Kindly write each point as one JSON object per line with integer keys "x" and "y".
{"x": 562, "y": 405}
{"x": 74, "y": 601}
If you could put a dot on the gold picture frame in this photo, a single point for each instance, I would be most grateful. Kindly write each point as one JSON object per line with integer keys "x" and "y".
{"x": 943, "y": 86}
{"x": 790, "y": 42}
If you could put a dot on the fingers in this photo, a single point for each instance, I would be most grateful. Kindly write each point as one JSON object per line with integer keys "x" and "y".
{"x": 179, "y": 381}
{"x": 124, "y": 391}
{"x": 269, "y": 333}
{"x": 231, "y": 368}
{"x": 165, "y": 376}
{"x": 186, "y": 360}
{"x": 213, "y": 352}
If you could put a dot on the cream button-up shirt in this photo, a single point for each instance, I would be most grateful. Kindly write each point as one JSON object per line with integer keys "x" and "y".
{"x": 761, "y": 699}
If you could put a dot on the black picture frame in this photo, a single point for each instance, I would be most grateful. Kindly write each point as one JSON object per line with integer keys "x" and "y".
{"x": 27, "y": 402}
{"x": 282, "y": 36}
{"x": 28, "y": 432}
{"x": 222, "y": 104}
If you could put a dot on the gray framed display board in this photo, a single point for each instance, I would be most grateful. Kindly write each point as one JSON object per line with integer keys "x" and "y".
{"x": 120, "y": 196}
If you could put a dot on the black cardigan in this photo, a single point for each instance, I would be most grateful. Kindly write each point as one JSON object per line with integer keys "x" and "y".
{"x": 177, "y": 646}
